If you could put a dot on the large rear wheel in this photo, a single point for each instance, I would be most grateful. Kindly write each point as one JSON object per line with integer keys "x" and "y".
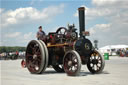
{"x": 72, "y": 63}
{"x": 95, "y": 62}
{"x": 35, "y": 57}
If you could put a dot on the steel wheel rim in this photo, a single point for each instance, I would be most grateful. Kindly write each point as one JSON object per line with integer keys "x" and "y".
{"x": 46, "y": 55}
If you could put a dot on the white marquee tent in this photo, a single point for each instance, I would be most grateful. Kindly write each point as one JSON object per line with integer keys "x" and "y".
{"x": 109, "y": 48}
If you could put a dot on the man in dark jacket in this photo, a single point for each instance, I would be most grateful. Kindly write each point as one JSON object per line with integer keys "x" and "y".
{"x": 41, "y": 34}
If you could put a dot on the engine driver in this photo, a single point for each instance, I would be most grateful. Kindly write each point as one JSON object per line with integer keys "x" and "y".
{"x": 41, "y": 34}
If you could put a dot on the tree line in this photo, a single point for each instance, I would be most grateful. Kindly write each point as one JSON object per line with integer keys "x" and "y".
{"x": 11, "y": 49}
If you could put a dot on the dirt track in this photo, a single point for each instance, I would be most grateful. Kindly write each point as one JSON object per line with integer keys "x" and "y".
{"x": 115, "y": 73}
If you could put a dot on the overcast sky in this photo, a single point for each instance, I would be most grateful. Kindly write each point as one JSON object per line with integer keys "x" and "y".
{"x": 107, "y": 20}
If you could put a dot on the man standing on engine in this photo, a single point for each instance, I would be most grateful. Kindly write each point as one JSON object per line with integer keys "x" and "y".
{"x": 41, "y": 34}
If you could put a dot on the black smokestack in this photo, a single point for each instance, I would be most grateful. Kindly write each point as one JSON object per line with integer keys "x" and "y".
{"x": 81, "y": 20}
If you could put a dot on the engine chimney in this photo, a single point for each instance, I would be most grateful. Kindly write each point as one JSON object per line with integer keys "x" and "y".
{"x": 81, "y": 20}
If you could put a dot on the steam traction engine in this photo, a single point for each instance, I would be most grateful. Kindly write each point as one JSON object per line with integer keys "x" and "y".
{"x": 64, "y": 51}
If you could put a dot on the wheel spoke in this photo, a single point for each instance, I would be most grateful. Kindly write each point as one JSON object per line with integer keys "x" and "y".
{"x": 33, "y": 51}
{"x": 38, "y": 53}
{"x": 97, "y": 65}
{"x": 30, "y": 47}
{"x": 70, "y": 57}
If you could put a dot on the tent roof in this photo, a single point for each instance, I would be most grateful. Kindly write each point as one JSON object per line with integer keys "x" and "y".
{"x": 114, "y": 46}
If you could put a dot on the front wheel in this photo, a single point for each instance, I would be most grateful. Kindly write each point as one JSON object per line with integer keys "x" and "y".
{"x": 95, "y": 62}
{"x": 72, "y": 63}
